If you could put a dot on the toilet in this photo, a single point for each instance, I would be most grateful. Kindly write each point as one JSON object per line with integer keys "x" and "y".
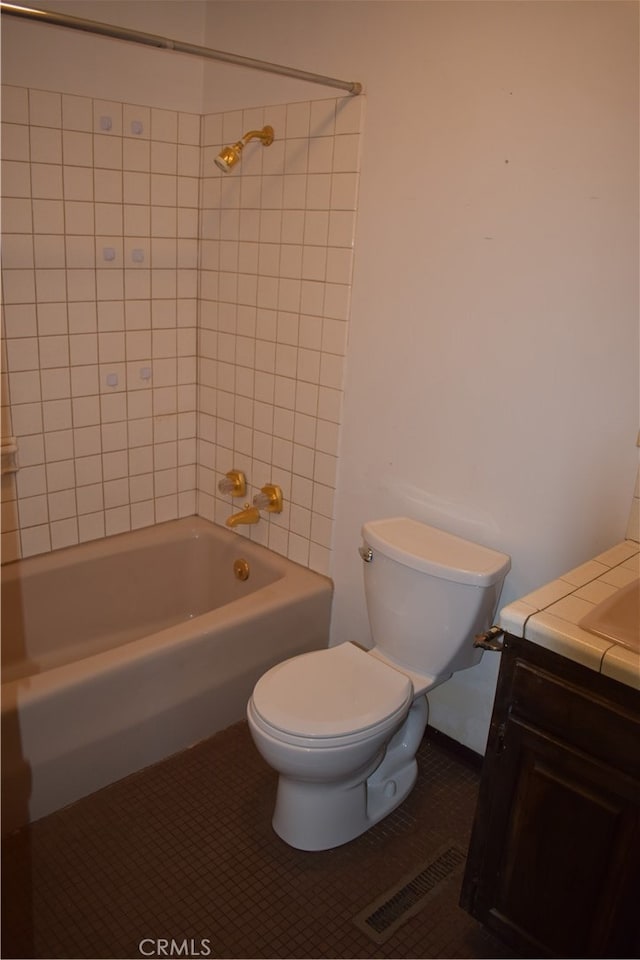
{"x": 342, "y": 725}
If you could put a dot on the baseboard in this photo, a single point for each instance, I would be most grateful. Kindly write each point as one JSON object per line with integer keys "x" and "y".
{"x": 447, "y": 743}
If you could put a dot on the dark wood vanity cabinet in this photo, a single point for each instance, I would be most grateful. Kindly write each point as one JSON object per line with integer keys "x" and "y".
{"x": 554, "y": 860}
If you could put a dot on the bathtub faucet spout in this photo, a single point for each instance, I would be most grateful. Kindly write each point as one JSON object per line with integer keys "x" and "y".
{"x": 248, "y": 515}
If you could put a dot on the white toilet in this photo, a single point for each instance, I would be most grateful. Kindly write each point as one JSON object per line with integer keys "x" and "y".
{"x": 342, "y": 725}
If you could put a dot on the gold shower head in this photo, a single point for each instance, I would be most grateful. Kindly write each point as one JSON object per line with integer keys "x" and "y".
{"x": 229, "y": 156}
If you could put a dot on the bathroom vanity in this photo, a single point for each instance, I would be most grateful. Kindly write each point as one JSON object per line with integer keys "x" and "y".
{"x": 554, "y": 860}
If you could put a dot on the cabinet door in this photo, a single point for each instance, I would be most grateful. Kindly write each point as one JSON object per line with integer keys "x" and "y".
{"x": 559, "y": 871}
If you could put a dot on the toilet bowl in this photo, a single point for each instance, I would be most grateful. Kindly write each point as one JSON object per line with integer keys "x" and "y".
{"x": 325, "y": 721}
{"x": 342, "y": 726}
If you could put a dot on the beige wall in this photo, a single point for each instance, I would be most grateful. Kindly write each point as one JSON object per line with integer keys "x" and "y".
{"x": 72, "y": 61}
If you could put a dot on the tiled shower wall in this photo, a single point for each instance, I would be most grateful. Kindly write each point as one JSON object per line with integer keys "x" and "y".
{"x": 276, "y": 262}
{"x": 100, "y": 256}
{"x": 114, "y": 243}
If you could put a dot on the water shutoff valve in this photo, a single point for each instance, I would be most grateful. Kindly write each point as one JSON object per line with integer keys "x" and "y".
{"x": 269, "y": 499}
{"x": 234, "y": 484}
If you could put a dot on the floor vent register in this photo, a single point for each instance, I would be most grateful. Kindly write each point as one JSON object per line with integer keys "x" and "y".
{"x": 382, "y": 918}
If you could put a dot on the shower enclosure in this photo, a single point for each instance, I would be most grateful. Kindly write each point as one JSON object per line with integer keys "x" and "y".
{"x": 165, "y": 323}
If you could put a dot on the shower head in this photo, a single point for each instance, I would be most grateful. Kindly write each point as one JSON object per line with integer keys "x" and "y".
{"x": 229, "y": 156}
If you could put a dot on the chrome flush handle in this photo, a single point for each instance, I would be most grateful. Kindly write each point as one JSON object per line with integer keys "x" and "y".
{"x": 366, "y": 553}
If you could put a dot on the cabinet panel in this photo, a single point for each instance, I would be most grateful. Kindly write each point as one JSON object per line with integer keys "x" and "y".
{"x": 589, "y": 719}
{"x": 564, "y": 858}
{"x": 554, "y": 861}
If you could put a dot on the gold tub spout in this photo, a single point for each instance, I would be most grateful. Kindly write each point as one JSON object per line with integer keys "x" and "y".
{"x": 248, "y": 515}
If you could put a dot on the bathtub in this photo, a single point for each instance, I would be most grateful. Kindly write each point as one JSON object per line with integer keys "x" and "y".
{"x": 119, "y": 652}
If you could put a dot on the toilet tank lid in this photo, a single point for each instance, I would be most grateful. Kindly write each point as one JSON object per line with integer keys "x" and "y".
{"x": 436, "y": 552}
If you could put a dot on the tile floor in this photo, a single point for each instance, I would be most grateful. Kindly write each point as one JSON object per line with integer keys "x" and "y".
{"x": 184, "y": 851}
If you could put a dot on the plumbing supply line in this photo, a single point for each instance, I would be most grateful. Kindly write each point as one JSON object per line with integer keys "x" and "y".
{"x": 153, "y": 40}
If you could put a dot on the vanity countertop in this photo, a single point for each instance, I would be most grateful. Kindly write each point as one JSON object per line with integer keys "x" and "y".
{"x": 549, "y": 616}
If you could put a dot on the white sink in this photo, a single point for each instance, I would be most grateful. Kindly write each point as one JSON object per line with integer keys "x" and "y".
{"x": 618, "y": 617}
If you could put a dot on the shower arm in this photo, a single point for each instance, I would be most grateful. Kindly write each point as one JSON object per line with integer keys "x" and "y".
{"x": 265, "y": 136}
{"x": 153, "y": 40}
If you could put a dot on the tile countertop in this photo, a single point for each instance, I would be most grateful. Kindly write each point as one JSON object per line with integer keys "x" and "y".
{"x": 549, "y": 616}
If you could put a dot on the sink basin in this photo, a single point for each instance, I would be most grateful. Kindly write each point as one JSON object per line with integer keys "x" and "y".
{"x": 618, "y": 617}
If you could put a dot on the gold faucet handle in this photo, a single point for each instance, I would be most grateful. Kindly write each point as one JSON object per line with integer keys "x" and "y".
{"x": 233, "y": 483}
{"x": 269, "y": 498}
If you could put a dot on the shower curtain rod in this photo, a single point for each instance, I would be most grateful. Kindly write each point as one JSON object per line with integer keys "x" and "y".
{"x": 152, "y": 40}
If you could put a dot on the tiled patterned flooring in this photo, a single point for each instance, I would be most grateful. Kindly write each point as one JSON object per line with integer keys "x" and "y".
{"x": 184, "y": 851}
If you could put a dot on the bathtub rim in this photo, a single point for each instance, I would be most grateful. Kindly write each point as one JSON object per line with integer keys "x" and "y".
{"x": 293, "y": 580}
{"x": 165, "y": 531}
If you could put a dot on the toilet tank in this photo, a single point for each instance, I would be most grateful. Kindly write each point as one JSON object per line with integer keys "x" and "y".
{"x": 428, "y": 593}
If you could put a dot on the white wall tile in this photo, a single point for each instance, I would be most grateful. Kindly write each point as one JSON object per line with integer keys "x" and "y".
{"x": 77, "y": 113}
{"x": 16, "y": 178}
{"x": 136, "y": 121}
{"x": 15, "y": 142}
{"x": 15, "y": 104}
{"x": 78, "y": 214}
{"x": 107, "y": 117}
{"x": 16, "y": 215}
{"x": 45, "y": 108}
{"x": 79, "y": 184}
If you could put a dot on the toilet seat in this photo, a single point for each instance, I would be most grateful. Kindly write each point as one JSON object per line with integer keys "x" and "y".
{"x": 329, "y": 697}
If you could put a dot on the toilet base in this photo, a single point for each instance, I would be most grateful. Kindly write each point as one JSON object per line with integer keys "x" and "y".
{"x": 316, "y": 816}
{"x": 312, "y": 817}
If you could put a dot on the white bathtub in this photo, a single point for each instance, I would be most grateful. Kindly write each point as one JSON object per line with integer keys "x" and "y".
{"x": 120, "y": 652}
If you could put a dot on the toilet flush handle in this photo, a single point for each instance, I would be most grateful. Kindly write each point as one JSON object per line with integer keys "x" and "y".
{"x": 489, "y": 640}
{"x": 366, "y": 553}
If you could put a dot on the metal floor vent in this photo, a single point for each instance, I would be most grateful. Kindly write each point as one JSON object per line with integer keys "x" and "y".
{"x": 382, "y": 918}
